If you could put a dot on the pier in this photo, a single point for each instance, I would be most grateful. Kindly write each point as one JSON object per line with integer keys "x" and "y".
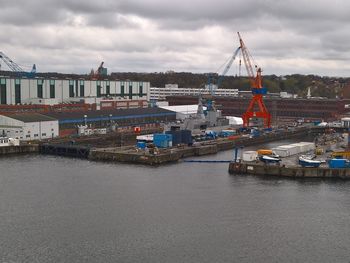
{"x": 261, "y": 169}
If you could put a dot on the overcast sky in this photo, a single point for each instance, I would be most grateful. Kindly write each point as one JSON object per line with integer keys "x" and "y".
{"x": 283, "y": 36}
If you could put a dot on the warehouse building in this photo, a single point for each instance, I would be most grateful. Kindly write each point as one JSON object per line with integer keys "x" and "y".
{"x": 51, "y": 91}
{"x": 30, "y": 126}
{"x": 173, "y": 90}
{"x": 120, "y": 118}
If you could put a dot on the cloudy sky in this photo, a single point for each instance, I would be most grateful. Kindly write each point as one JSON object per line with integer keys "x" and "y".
{"x": 283, "y": 36}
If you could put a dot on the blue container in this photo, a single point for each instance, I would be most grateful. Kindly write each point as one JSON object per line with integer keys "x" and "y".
{"x": 141, "y": 145}
{"x": 338, "y": 163}
{"x": 186, "y": 137}
{"x": 176, "y": 137}
{"x": 162, "y": 140}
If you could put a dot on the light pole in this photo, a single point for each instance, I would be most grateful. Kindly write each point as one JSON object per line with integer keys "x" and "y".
{"x": 85, "y": 120}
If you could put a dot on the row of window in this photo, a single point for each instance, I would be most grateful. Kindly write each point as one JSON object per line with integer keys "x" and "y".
{"x": 40, "y": 94}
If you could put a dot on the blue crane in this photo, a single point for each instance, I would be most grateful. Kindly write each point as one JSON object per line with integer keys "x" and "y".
{"x": 16, "y": 68}
{"x": 224, "y": 72}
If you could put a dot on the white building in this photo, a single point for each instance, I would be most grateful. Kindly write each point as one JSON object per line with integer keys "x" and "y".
{"x": 53, "y": 90}
{"x": 173, "y": 90}
{"x": 29, "y": 126}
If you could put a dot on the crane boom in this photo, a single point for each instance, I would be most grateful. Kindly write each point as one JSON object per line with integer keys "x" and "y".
{"x": 11, "y": 64}
{"x": 228, "y": 66}
{"x": 257, "y": 90}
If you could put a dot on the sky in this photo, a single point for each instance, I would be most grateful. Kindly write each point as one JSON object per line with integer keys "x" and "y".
{"x": 283, "y": 36}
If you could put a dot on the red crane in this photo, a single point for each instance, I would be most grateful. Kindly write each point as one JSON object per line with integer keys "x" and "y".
{"x": 257, "y": 90}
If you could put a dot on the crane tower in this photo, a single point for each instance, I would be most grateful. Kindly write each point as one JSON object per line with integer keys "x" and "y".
{"x": 257, "y": 90}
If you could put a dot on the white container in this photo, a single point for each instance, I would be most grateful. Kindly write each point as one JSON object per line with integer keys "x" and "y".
{"x": 250, "y": 156}
{"x": 282, "y": 152}
{"x": 292, "y": 149}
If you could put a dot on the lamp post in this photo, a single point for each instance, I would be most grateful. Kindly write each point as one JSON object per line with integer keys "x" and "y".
{"x": 85, "y": 120}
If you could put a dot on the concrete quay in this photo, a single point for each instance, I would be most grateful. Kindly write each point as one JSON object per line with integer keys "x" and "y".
{"x": 22, "y": 149}
{"x": 261, "y": 169}
{"x": 132, "y": 155}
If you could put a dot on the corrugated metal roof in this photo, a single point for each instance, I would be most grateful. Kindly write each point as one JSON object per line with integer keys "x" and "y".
{"x": 30, "y": 117}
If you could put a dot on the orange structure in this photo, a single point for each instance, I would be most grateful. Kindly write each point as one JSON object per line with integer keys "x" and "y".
{"x": 257, "y": 90}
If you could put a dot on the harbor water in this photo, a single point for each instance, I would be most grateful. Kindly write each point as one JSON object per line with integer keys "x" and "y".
{"x": 56, "y": 209}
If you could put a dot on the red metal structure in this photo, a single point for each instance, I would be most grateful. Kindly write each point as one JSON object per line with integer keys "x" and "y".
{"x": 257, "y": 90}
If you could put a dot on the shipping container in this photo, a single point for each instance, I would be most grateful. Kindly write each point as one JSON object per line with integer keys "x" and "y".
{"x": 283, "y": 152}
{"x": 141, "y": 145}
{"x": 162, "y": 140}
{"x": 250, "y": 156}
{"x": 176, "y": 137}
{"x": 186, "y": 137}
{"x": 338, "y": 163}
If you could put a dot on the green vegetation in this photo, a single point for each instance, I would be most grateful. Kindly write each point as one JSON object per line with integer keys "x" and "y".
{"x": 329, "y": 87}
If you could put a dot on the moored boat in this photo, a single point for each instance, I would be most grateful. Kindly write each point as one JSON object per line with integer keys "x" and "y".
{"x": 305, "y": 162}
{"x": 269, "y": 159}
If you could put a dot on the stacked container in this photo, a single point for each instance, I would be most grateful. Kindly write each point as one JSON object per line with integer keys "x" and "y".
{"x": 295, "y": 148}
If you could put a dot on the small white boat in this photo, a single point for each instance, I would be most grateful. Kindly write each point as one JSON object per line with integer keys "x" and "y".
{"x": 269, "y": 159}
{"x": 304, "y": 162}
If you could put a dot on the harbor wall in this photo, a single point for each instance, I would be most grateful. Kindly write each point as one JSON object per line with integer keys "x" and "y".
{"x": 261, "y": 169}
{"x": 11, "y": 150}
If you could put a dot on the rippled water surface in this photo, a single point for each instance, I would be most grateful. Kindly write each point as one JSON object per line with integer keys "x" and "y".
{"x": 69, "y": 210}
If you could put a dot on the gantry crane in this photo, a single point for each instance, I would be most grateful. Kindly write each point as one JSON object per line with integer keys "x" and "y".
{"x": 257, "y": 89}
{"x": 16, "y": 68}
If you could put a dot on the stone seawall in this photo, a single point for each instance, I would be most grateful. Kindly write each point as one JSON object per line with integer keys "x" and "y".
{"x": 11, "y": 150}
{"x": 261, "y": 169}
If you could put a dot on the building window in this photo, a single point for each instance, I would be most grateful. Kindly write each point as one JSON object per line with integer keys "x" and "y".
{"x": 17, "y": 91}
{"x": 82, "y": 88}
{"x": 52, "y": 88}
{"x": 40, "y": 88}
{"x": 108, "y": 88}
{"x": 98, "y": 91}
{"x": 141, "y": 90}
{"x": 36, "y": 135}
{"x": 28, "y": 136}
{"x": 71, "y": 88}
{"x": 43, "y": 134}
{"x": 130, "y": 91}
{"x": 122, "y": 91}
{"x": 3, "y": 91}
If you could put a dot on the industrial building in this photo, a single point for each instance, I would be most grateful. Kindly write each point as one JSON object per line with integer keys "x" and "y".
{"x": 54, "y": 90}
{"x": 173, "y": 90}
{"x": 30, "y": 126}
{"x": 119, "y": 118}
{"x": 280, "y": 108}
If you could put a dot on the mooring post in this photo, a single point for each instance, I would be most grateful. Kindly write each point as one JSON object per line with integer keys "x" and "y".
{"x": 235, "y": 154}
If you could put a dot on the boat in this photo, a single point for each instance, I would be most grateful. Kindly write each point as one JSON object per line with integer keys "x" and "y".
{"x": 308, "y": 156}
{"x": 269, "y": 159}
{"x": 304, "y": 162}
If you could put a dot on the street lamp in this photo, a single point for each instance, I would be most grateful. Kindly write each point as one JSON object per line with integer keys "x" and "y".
{"x": 85, "y": 120}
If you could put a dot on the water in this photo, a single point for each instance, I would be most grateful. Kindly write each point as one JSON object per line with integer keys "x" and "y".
{"x": 68, "y": 210}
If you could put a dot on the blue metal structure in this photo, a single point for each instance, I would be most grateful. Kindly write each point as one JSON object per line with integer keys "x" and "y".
{"x": 224, "y": 72}
{"x": 16, "y": 68}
